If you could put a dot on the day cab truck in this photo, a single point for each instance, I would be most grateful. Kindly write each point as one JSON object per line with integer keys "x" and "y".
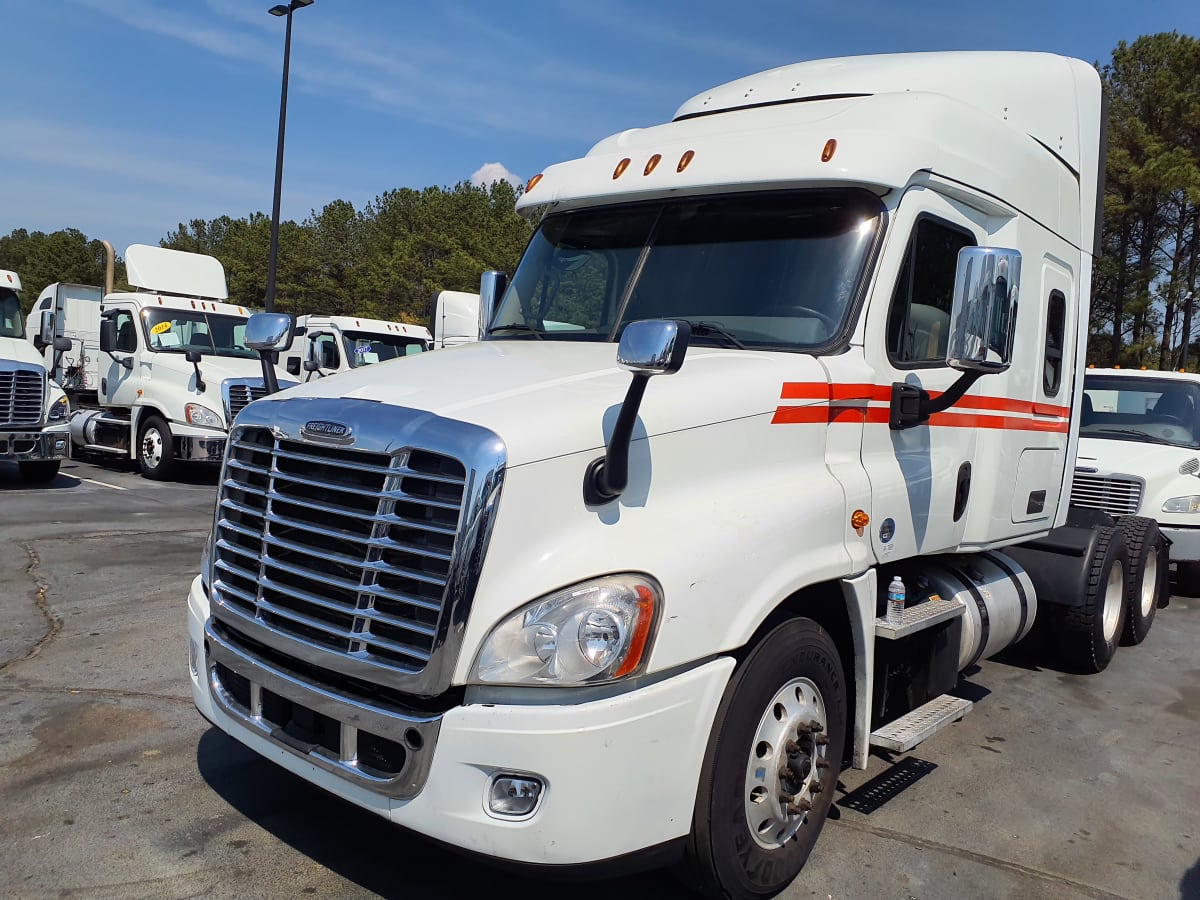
{"x": 327, "y": 345}
{"x": 1139, "y": 455}
{"x": 33, "y": 410}
{"x": 613, "y": 589}
{"x": 169, "y": 370}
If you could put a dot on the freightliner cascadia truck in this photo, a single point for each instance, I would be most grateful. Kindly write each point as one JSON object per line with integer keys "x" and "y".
{"x": 615, "y": 587}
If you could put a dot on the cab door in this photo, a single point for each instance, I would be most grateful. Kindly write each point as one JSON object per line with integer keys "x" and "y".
{"x": 119, "y": 385}
{"x": 921, "y": 477}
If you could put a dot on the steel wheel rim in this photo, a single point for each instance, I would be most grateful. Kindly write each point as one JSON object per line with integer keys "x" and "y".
{"x": 1114, "y": 596}
{"x": 152, "y": 447}
{"x": 780, "y": 786}
{"x": 1149, "y": 582}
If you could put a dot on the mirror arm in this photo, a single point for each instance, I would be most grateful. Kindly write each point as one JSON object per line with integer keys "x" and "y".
{"x": 607, "y": 477}
{"x": 267, "y": 358}
{"x": 200, "y": 385}
{"x": 912, "y": 406}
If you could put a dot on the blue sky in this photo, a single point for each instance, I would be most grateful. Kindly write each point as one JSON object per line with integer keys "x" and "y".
{"x": 125, "y": 117}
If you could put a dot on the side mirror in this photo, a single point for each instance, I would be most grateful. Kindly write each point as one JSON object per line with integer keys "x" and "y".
{"x": 491, "y": 288}
{"x": 194, "y": 357}
{"x": 293, "y": 365}
{"x": 269, "y": 331}
{"x": 62, "y": 344}
{"x": 310, "y": 365}
{"x": 108, "y": 336}
{"x": 46, "y": 329}
{"x": 984, "y": 315}
{"x": 647, "y": 348}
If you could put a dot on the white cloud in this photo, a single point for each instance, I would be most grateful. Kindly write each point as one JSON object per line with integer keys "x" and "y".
{"x": 489, "y": 173}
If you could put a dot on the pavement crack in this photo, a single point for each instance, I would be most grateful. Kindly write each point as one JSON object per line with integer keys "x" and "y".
{"x": 980, "y": 858}
{"x": 54, "y": 622}
{"x": 98, "y": 692}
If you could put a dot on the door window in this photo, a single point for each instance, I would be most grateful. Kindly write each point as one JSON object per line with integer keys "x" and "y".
{"x": 126, "y": 331}
{"x": 919, "y": 316}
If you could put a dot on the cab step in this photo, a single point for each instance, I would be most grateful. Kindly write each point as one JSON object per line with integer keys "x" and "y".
{"x": 101, "y": 448}
{"x": 925, "y": 721}
{"x": 918, "y": 617}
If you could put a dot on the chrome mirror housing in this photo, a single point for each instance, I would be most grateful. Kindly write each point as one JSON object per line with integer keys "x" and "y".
{"x": 491, "y": 288}
{"x": 984, "y": 314}
{"x": 269, "y": 331}
{"x": 653, "y": 346}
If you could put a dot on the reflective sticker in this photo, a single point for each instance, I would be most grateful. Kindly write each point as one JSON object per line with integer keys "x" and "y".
{"x": 160, "y": 328}
{"x": 887, "y": 530}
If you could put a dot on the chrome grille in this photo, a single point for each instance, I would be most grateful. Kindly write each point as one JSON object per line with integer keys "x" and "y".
{"x": 21, "y": 397}
{"x": 1116, "y": 495}
{"x": 340, "y": 548}
{"x": 240, "y": 395}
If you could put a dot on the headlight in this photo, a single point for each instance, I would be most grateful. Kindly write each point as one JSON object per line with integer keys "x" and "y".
{"x": 1182, "y": 504}
{"x": 58, "y": 410}
{"x": 599, "y": 630}
{"x": 196, "y": 414}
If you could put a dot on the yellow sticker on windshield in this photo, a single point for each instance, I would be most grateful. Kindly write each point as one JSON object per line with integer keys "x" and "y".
{"x": 160, "y": 328}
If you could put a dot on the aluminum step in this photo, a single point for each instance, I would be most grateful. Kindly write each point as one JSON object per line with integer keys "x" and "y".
{"x": 918, "y": 617}
{"x": 101, "y": 448}
{"x": 924, "y": 721}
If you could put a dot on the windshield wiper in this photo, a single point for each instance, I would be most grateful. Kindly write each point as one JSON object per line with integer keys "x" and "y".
{"x": 536, "y": 332}
{"x": 712, "y": 329}
{"x": 1140, "y": 435}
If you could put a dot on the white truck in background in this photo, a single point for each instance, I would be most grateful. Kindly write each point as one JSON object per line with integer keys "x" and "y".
{"x": 33, "y": 410}
{"x": 168, "y": 371}
{"x": 1139, "y": 455}
{"x": 326, "y": 345}
{"x": 455, "y": 319}
{"x": 520, "y": 600}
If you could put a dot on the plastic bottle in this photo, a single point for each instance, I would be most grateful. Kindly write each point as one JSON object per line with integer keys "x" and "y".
{"x": 895, "y": 604}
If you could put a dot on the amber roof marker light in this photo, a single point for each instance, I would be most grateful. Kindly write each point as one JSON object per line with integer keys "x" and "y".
{"x": 652, "y": 163}
{"x": 621, "y": 167}
{"x": 533, "y": 182}
{"x": 685, "y": 160}
{"x": 830, "y": 149}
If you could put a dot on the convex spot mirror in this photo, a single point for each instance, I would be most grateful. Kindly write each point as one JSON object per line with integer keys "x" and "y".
{"x": 984, "y": 314}
{"x": 269, "y": 331}
{"x": 46, "y": 331}
{"x": 653, "y": 346}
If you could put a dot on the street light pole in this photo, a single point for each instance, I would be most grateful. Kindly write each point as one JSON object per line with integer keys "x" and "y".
{"x": 272, "y": 260}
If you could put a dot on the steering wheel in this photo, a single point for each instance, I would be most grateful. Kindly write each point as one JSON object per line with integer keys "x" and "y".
{"x": 798, "y": 309}
{"x": 1170, "y": 419}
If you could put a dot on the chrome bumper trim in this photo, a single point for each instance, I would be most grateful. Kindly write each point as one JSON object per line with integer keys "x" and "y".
{"x": 23, "y": 446}
{"x": 199, "y": 448}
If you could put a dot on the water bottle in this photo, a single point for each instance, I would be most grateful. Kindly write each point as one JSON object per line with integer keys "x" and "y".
{"x": 895, "y": 603}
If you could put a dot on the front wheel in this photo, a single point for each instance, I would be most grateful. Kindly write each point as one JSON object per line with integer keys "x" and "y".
{"x": 156, "y": 448}
{"x": 772, "y": 765}
{"x": 39, "y": 470}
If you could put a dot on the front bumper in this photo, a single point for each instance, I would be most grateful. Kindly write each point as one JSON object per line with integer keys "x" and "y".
{"x": 620, "y": 772}
{"x": 52, "y": 442}
{"x": 206, "y": 447}
{"x": 1185, "y": 542}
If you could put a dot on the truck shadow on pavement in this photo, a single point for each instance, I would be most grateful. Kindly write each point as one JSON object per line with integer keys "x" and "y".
{"x": 372, "y": 853}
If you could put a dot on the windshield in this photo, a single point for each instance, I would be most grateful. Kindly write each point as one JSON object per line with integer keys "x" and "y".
{"x": 769, "y": 271}
{"x": 11, "y": 323}
{"x": 363, "y": 348}
{"x": 1163, "y": 411}
{"x": 178, "y": 331}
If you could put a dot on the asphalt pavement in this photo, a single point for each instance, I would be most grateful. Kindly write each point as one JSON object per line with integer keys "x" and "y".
{"x": 111, "y": 785}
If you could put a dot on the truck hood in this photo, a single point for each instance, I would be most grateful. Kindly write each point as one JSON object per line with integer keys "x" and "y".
{"x": 551, "y": 398}
{"x": 214, "y": 369}
{"x": 20, "y": 351}
{"x": 1137, "y": 458}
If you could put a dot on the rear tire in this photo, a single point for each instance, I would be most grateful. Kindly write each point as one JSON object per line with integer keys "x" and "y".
{"x": 1148, "y": 564}
{"x": 156, "y": 448}
{"x": 1087, "y": 635}
{"x": 768, "y": 777}
{"x": 39, "y": 470}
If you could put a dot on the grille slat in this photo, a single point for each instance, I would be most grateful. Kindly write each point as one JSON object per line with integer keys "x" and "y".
{"x": 242, "y": 395}
{"x": 1115, "y": 495}
{"x": 340, "y": 548}
{"x": 22, "y": 397}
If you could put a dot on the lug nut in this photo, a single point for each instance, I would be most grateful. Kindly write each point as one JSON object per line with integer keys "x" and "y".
{"x": 800, "y": 806}
{"x": 821, "y": 740}
{"x": 785, "y": 799}
{"x": 815, "y": 788}
{"x": 815, "y": 727}
{"x": 792, "y": 748}
{"x": 822, "y": 762}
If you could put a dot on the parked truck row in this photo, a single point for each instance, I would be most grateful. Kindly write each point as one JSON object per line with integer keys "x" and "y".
{"x": 609, "y": 583}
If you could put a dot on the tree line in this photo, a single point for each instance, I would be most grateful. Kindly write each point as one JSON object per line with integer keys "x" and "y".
{"x": 390, "y": 258}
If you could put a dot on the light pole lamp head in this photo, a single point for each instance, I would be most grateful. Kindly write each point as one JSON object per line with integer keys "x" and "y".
{"x": 283, "y": 10}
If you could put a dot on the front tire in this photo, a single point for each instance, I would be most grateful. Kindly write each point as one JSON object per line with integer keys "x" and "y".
{"x": 772, "y": 765}
{"x": 39, "y": 470}
{"x": 156, "y": 449}
{"x": 1087, "y": 635}
{"x": 1148, "y": 563}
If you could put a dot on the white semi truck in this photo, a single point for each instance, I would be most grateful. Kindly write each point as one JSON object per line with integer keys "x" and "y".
{"x": 156, "y": 374}
{"x": 455, "y": 319}
{"x": 327, "y": 345}
{"x": 1139, "y": 455}
{"x": 33, "y": 410}
{"x": 520, "y": 600}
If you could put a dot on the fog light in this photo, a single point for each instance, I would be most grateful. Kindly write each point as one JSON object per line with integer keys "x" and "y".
{"x": 193, "y": 657}
{"x": 60, "y": 446}
{"x": 514, "y": 795}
